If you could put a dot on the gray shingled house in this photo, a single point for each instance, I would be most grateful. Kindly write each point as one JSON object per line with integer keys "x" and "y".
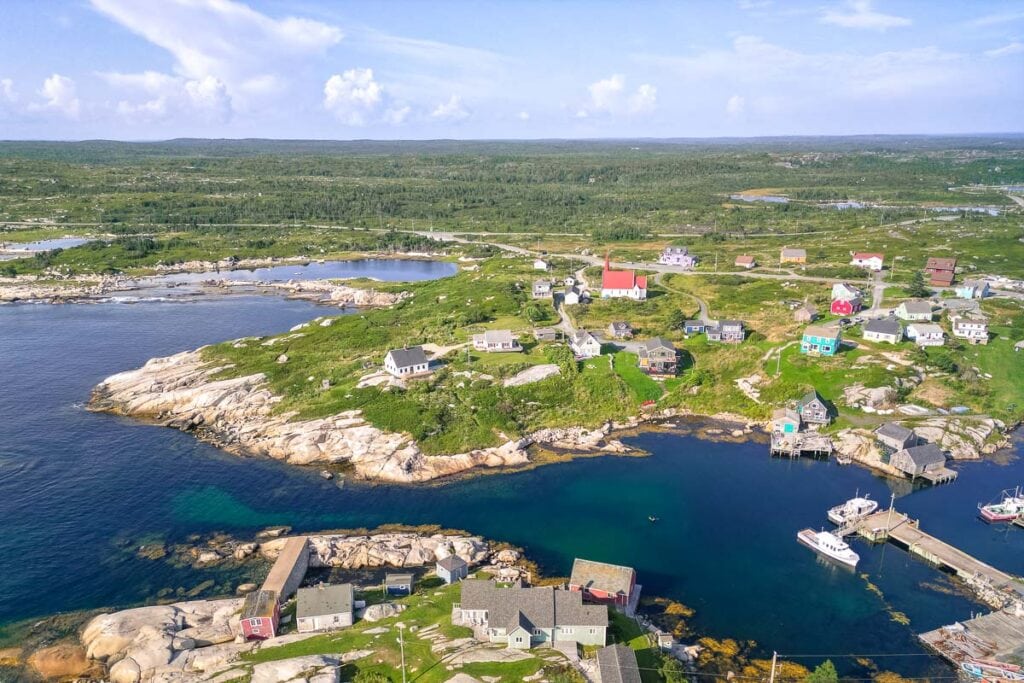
{"x": 451, "y": 569}
{"x": 617, "y": 664}
{"x": 895, "y": 437}
{"x": 917, "y": 460}
{"x": 524, "y": 617}
{"x": 813, "y": 409}
{"x": 324, "y": 607}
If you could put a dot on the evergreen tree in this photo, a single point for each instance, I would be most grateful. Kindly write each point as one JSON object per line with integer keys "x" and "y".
{"x": 824, "y": 673}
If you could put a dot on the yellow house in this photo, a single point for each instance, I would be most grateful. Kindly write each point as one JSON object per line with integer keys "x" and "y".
{"x": 793, "y": 255}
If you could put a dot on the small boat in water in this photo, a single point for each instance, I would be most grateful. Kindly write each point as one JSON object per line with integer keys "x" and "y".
{"x": 652, "y": 519}
{"x": 994, "y": 671}
{"x": 852, "y": 510}
{"x": 1006, "y": 510}
{"x": 829, "y": 545}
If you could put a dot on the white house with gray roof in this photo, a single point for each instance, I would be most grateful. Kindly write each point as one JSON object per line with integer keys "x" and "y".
{"x": 886, "y": 330}
{"x": 496, "y": 341}
{"x": 407, "y": 362}
{"x": 914, "y": 310}
{"x": 926, "y": 334}
{"x": 324, "y": 607}
{"x": 522, "y": 618}
{"x": 584, "y": 344}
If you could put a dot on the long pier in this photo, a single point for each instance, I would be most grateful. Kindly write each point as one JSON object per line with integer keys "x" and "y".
{"x": 994, "y": 586}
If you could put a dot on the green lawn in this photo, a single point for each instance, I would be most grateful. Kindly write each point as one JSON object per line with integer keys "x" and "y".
{"x": 643, "y": 387}
{"x": 625, "y": 630}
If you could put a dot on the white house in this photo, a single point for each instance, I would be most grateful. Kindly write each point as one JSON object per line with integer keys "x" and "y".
{"x": 584, "y": 344}
{"x": 844, "y": 292}
{"x": 540, "y": 264}
{"x": 886, "y": 330}
{"x": 406, "y": 362}
{"x": 871, "y": 261}
{"x": 496, "y": 341}
{"x": 324, "y": 607}
{"x": 915, "y": 309}
{"x": 925, "y": 334}
{"x": 974, "y": 330}
{"x": 571, "y": 296}
{"x": 541, "y": 289}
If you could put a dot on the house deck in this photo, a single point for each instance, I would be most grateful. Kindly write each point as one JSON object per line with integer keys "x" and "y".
{"x": 940, "y": 476}
{"x": 801, "y": 444}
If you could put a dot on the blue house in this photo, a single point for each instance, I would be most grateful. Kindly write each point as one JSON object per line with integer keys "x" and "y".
{"x": 398, "y": 584}
{"x": 693, "y": 327}
{"x": 820, "y": 341}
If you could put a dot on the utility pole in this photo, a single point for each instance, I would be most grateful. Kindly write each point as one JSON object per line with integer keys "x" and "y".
{"x": 401, "y": 645}
{"x": 771, "y": 678}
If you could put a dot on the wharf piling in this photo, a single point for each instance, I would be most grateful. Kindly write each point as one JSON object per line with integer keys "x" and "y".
{"x": 991, "y": 585}
{"x": 801, "y": 444}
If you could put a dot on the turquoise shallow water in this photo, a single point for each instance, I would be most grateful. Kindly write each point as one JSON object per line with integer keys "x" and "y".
{"x": 76, "y": 486}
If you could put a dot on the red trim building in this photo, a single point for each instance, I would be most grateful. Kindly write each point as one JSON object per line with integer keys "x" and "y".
{"x": 941, "y": 271}
{"x": 622, "y": 283}
{"x": 260, "y": 614}
{"x": 602, "y": 582}
{"x": 845, "y": 306}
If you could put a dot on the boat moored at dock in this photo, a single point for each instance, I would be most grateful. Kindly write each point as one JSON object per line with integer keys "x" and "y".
{"x": 1009, "y": 508}
{"x": 852, "y": 510}
{"x": 829, "y": 545}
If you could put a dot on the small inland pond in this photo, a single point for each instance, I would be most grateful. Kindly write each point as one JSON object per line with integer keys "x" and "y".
{"x": 80, "y": 491}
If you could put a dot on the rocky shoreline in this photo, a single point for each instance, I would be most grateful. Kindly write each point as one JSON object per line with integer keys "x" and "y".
{"x": 238, "y": 415}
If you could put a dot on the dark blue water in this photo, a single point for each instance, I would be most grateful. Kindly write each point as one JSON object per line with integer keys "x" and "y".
{"x": 75, "y": 486}
{"x": 388, "y": 270}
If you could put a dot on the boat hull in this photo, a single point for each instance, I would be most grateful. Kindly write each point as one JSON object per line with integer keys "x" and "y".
{"x": 808, "y": 538}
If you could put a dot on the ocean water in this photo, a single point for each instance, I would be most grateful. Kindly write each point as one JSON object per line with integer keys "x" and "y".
{"x": 80, "y": 491}
{"x": 388, "y": 270}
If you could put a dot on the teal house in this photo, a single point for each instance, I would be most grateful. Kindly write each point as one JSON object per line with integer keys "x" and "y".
{"x": 819, "y": 340}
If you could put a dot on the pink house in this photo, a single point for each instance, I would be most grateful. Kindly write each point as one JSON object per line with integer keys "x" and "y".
{"x": 260, "y": 614}
{"x": 602, "y": 582}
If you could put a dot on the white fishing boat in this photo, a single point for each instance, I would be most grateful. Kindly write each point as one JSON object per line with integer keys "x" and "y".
{"x": 1008, "y": 509}
{"x": 829, "y": 545}
{"x": 852, "y": 510}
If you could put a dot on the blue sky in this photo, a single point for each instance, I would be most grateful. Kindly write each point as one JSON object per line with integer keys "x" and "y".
{"x": 157, "y": 69}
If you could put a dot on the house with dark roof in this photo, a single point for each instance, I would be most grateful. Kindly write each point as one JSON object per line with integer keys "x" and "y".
{"x": 522, "y": 617}
{"x": 324, "y": 607}
{"x": 602, "y": 582}
{"x": 407, "y": 362}
{"x": 260, "y": 614}
{"x": 617, "y": 664}
{"x": 451, "y": 569}
{"x": 894, "y": 437}
{"x": 813, "y": 409}
{"x": 657, "y": 356}
{"x": 545, "y": 334}
{"x": 887, "y": 330}
{"x": 920, "y": 460}
{"x": 620, "y": 330}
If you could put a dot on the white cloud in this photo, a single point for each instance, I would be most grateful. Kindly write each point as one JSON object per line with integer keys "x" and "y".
{"x": 249, "y": 55}
{"x": 7, "y": 93}
{"x": 859, "y": 14}
{"x": 205, "y": 98}
{"x": 608, "y": 96}
{"x": 353, "y": 96}
{"x": 754, "y": 4}
{"x": 605, "y": 93}
{"x": 1014, "y": 48}
{"x": 397, "y": 115}
{"x": 59, "y": 94}
{"x": 523, "y": 116}
{"x": 996, "y": 19}
{"x": 643, "y": 100}
{"x": 452, "y": 110}
{"x": 735, "y": 105}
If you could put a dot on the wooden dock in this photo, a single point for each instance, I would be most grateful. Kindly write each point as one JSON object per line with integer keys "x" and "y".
{"x": 993, "y": 586}
{"x": 809, "y": 444}
{"x": 997, "y": 636}
{"x": 1019, "y": 522}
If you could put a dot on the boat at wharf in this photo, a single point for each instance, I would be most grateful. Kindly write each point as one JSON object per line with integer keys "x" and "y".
{"x": 852, "y": 510}
{"x": 829, "y": 545}
{"x": 1008, "y": 509}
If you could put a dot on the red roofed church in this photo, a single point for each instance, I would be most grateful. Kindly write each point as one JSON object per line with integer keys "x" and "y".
{"x": 616, "y": 284}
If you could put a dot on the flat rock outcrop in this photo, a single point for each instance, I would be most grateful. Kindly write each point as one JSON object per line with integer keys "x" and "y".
{"x": 384, "y": 550}
{"x": 238, "y": 415}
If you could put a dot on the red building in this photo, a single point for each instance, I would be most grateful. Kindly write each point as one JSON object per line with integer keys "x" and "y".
{"x": 622, "y": 283}
{"x": 941, "y": 271}
{"x": 846, "y": 306}
{"x": 260, "y": 614}
{"x": 604, "y": 583}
